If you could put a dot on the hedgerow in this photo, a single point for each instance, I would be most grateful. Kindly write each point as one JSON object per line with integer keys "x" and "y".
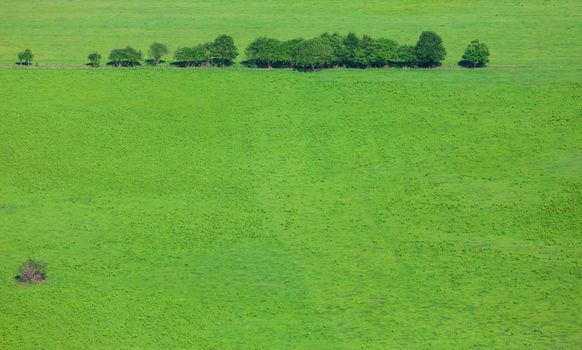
{"x": 325, "y": 51}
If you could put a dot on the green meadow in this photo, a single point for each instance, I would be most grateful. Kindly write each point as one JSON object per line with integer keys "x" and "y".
{"x": 273, "y": 209}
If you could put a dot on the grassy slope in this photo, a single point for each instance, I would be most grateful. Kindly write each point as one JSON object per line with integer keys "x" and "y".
{"x": 181, "y": 208}
{"x": 238, "y": 208}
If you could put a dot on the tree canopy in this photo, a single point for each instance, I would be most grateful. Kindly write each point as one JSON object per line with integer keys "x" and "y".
{"x": 94, "y": 59}
{"x": 194, "y": 56}
{"x": 265, "y": 52}
{"x": 25, "y": 56}
{"x": 312, "y": 54}
{"x": 223, "y": 50}
{"x": 125, "y": 57}
{"x": 476, "y": 55}
{"x": 157, "y": 51}
{"x": 430, "y": 51}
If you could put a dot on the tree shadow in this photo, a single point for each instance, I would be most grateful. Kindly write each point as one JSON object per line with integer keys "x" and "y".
{"x": 183, "y": 64}
{"x": 124, "y": 64}
{"x": 152, "y": 63}
{"x": 24, "y": 64}
{"x": 249, "y": 64}
{"x": 308, "y": 70}
{"x": 468, "y": 64}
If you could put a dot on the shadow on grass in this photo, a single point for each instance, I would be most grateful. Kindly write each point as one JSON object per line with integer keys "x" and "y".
{"x": 124, "y": 64}
{"x": 154, "y": 63}
{"x": 468, "y": 64}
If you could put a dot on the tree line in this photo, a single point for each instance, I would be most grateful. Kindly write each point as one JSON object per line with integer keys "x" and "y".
{"x": 325, "y": 51}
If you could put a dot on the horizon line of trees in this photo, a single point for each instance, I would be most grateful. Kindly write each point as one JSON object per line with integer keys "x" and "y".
{"x": 325, "y": 51}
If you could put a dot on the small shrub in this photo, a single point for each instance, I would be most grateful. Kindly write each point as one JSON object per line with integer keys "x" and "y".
{"x": 157, "y": 51}
{"x": 94, "y": 59}
{"x": 476, "y": 55}
{"x": 25, "y": 57}
{"x": 128, "y": 57}
{"x": 32, "y": 271}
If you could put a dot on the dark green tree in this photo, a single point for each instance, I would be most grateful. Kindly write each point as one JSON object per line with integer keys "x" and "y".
{"x": 25, "y": 57}
{"x": 476, "y": 55}
{"x": 264, "y": 52}
{"x": 127, "y": 57}
{"x": 287, "y": 50}
{"x": 185, "y": 56}
{"x": 382, "y": 53}
{"x": 94, "y": 59}
{"x": 430, "y": 51}
{"x": 194, "y": 56}
{"x": 157, "y": 51}
{"x": 355, "y": 56}
{"x": 336, "y": 41}
{"x": 223, "y": 50}
{"x": 405, "y": 56}
{"x": 312, "y": 54}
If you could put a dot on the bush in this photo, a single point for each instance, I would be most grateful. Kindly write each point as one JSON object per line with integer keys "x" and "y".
{"x": 430, "y": 51}
{"x": 25, "y": 57}
{"x": 476, "y": 55}
{"x": 32, "y": 271}
{"x": 157, "y": 51}
{"x": 405, "y": 56}
{"x": 200, "y": 55}
{"x": 127, "y": 57}
{"x": 94, "y": 59}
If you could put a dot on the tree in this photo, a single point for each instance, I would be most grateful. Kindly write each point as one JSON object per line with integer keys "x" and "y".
{"x": 125, "y": 57}
{"x": 354, "y": 57}
{"x": 476, "y": 54}
{"x": 94, "y": 59}
{"x": 223, "y": 50}
{"x": 405, "y": 56}
{"x": 185, "y": 56}
{"x": 25, "y": 57}
{"x": 194, "y": 56}
{"x": 430, "y": 51}
{"x": 336, "y": 41}
{"x": 157, "y": 51}
{"x": 383, "y": 53}
{"x": 314, "y": 53}
{"x": 264, "y": 52}
{"x": 287, "y": 50}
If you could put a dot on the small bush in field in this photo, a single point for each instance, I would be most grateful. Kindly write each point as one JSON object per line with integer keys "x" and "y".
{"x": 32, "y": 271}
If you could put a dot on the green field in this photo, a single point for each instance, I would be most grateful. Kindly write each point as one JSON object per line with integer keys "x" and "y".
{"x": 254, "y": 209}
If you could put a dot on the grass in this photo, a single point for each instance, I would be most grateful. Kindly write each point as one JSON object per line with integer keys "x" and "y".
{"x": 236, "y": 208}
